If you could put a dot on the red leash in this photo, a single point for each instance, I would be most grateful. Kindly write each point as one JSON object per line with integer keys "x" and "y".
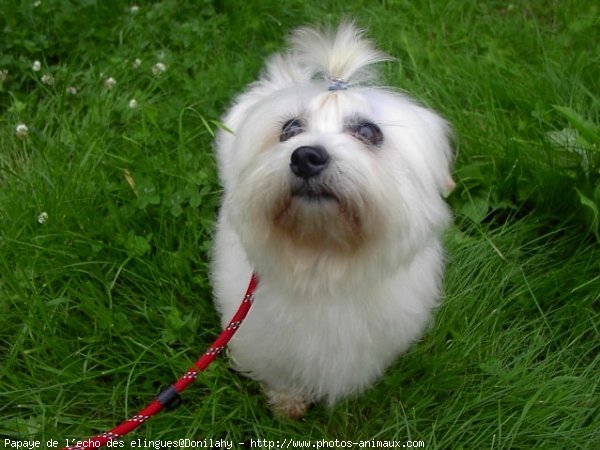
{"x": 169, "y": 398}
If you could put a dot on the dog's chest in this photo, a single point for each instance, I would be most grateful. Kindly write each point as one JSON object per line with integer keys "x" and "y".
{"x": 331, "y": 342}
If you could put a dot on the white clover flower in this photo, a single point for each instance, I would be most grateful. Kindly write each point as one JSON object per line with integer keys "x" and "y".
{"x": 110, "y": 82}
{"x": 48, "y": 79}
{"x": 21, "y": 131}
{"x": 72, "y": 90}
{"x": 43, "y": 217}
{"x": 134, "y": 9}
{"x": 133, "y": 103}
{"x": 158, "y": 69}
{"x": 36, "y": 66}
{"x": 37, "y": 4}
{"x": 136, "y": 63}
{"x": 3, "y": 75}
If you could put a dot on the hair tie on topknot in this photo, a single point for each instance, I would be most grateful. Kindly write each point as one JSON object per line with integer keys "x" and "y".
{"x": 338, "y": 84}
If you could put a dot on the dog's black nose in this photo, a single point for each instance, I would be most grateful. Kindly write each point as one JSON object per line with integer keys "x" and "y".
{"x": 307, "y": 162}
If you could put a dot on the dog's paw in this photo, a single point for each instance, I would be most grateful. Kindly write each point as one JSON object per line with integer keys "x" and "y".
{"x": 287, "y": 404}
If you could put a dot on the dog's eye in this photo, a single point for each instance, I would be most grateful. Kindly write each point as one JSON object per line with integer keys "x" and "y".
{"x": 367, "y": 132}
{"x": 290, "y": 129}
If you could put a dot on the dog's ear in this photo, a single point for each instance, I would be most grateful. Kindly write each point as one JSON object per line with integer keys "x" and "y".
{"x": 442, "y": 137}
{"x": 232, "y": 122}
{"x": 225, "y": 137}
{"x": 422, "y": 136}
{"x": 281, "y": 71}
{"x": 432, "y": 137}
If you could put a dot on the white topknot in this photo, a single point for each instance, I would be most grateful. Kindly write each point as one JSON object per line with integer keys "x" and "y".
{"x": 341, "y": 54}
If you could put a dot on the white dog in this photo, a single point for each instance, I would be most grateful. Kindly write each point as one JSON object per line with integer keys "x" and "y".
{"x": 333, "y": 196}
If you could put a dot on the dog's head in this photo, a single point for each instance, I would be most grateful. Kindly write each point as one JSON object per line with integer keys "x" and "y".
{"x": 323, "y": 171}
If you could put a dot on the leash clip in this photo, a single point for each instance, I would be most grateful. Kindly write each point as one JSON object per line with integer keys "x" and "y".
{"x": 169, "y": 398}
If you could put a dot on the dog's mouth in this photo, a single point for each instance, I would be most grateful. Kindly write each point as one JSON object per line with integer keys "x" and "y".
{"x": 314, "y": 193}
{"x": 315, "y": 216}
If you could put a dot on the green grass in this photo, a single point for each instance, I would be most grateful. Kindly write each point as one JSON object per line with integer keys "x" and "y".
{"x": 109, "y": 299}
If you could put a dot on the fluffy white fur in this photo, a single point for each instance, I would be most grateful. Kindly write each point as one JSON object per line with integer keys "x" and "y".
{"x": 346, "y": 284}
